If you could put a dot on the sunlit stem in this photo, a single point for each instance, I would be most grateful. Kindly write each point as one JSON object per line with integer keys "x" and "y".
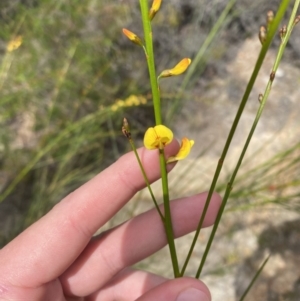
{"x": 150, "y": 59}
{"x": 146, "y": 179}
{"x": 265, "y": 47}
{"x": 158, "y": 120}
{"x": 168, "y": 219}
{"x": 273, "y": 29}
{"x": 254, "y": 278}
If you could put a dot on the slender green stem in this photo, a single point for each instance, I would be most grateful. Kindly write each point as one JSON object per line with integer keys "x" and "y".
{"x": 254, "y": 278}
{"x": 158, "y": 120}
{"x": 150, "y": 59}
{"x": 146, "y": 179}
{"x": 195, "y": 64}
{"x": 168, "y": 219}
{"x": 266, "y": 45}
{"x": 258, "y": 115}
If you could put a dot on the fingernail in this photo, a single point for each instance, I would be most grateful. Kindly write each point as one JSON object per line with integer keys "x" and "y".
{"x": 192, "y": 294}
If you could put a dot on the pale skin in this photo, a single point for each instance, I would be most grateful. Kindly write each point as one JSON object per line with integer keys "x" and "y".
{"x": 58, "y": 259}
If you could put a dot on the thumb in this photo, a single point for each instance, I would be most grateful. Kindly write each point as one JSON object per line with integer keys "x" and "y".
{"x": 180, "y": 289}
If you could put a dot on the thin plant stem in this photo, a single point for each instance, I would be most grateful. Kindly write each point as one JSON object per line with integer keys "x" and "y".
{"x": 271, "y": 33}
{"x": 254, "y": 278}
{"x": 158, "y": 120}
{"x": 191, "y": 70}
{"x": 258, "y": 115}
{"x": 150, "y": 60}
{"x": 168, "y": 220}
{"x": 146, "y": 179}
{"x": 212, "y": 34}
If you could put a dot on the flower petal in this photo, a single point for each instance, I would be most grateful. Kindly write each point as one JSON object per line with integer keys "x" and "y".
{"x": 154, "y": 8}
{"x": 178, "y": 69}
{"x": 185, "y": 148}
{"x": 157, "y": 137}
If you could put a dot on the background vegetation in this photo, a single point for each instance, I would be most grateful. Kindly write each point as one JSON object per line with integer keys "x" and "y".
{"x": 65, "y": 90}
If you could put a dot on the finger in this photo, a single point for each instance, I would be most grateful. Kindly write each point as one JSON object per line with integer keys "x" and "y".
{"x": 180, "y": 289}
{"x": 53, "y": 243}
{"x": 127, "y": 285}
{"x": 131, "y": 242}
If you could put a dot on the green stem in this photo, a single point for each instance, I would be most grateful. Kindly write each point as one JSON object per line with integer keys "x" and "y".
{"x": 146, "y": 179}
{"x": 254, "y": 278}
{"x": 274, "y": 25}
{"x": 158, "y": 120}
{"x": 150, "y": 60}
{"x": 195, "y": 63}
{"x": 168, "y": 219}
{"x": 266, "y": 45}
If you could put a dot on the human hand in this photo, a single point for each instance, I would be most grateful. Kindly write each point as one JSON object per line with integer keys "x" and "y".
{"x": 57, "y": 259}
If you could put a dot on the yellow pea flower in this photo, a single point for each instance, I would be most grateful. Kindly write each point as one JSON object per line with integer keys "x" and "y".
{"x": 14, "y": 44}
{"x": 132, "y": 37}
{"x": 178, "y": 69}
{"x": 154, "y": 8}
{"x": 157, "y": 137}
{"x": 185, "y": 148}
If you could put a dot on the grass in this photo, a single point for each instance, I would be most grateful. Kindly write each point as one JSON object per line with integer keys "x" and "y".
{"x": 63, "y": 95}
{"x": 60, "y": 93}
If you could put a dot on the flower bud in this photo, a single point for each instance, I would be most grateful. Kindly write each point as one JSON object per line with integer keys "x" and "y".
{"x": 126, "y": 129}
{"x": 282, "y": 32}
{"x": 132, "y": 37}
{"x": 262, "y": 34}
{"x": 154, "y": 9}
{"x": 270, "y": 17}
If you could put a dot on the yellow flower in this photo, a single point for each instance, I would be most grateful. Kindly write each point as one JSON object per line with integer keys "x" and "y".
{"x": 132, "y": 37}
{"x": 178, "y": 69}
{"x": 154, "y": 8}
{"x": 14, "y": 44}
{"x": 157, "y": 137}
{"x": 185, "y": 148}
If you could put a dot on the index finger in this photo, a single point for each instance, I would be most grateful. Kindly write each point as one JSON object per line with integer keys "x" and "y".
{"x": 56, "y": 240}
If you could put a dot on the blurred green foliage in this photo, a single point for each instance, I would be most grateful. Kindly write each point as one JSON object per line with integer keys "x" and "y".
{"x": 57, "y": 91}
{"x": 66, "y": 89}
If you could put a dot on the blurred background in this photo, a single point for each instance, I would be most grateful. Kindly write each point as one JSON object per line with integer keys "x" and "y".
{"x": 68, "y": 77}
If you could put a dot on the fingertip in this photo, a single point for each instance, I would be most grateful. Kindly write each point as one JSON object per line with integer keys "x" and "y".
{"x": 180, "y": 289}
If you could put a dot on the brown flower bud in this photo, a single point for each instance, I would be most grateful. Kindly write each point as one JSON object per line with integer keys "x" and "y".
{"x": 126, "y": 129}
{"x": 262, "y": 34}
{"x": 132, "y": 37}
{"x": 270, "y": 17}
{"x": 282, "y": 32}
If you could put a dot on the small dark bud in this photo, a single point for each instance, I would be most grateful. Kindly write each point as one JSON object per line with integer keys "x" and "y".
{"x": 260, "y": 97}
{"x": 270, "y": 17}
{"x": 272, "y": 76}
{"x": 126, "y": 129}
{"x": 262, "y": 34}
{"x": 282, "y": 32}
